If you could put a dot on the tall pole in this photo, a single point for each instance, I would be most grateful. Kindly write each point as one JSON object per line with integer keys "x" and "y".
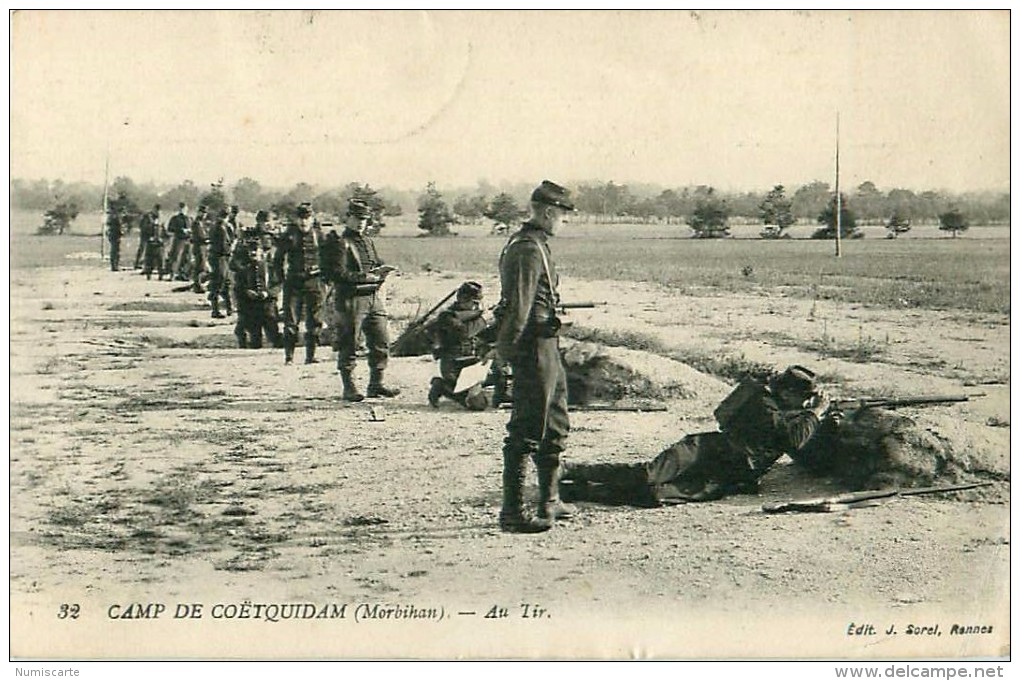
{"x": 106, "y": 206}
{"x": 839, "y": 199}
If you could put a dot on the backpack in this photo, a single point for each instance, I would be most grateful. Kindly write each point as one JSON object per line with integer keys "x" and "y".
{"x": 747, "y": 392}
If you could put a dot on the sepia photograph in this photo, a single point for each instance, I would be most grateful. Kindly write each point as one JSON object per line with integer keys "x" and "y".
{"x": 510, "y": 335}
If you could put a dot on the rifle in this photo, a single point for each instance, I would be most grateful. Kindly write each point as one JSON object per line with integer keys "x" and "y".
{"x": 842, "y": 502}
{"x": 402, "y": 346}
{"x": 896, "y": 402}
{"x": 563, "y": 307}
{"x": 658, "y": 407}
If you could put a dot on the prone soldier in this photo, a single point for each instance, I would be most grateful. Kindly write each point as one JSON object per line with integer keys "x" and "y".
{"x": 759, "y": 422}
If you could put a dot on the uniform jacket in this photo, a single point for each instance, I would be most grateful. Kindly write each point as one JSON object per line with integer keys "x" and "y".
{"x": 252, "y": 273}
{"x": 114, "y": 228}
{"x": 149, "y": 228}
{"x": 219, "y": 239}
{"x": 764, "y": 430}
{"x": 456, "y": 331}
{"x": 297, "y": 255}
{"x": 528, "y": 296}
{"x": 349, "y": 260}
{"x": 199, "y": 231}
{"x": 179, "y": 226}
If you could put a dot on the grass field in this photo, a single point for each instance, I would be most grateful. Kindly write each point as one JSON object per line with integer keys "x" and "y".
{"x": 967, "y": 273}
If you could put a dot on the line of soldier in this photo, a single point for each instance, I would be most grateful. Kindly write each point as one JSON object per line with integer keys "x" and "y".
{"x": 249, "y": 269}
{"x": 758, "y": 423}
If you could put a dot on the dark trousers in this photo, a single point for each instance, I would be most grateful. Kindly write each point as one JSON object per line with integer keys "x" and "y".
{"x": 251, "y": 320}
{"x": 539, "y": 423}
{"x": 362, "y": 314}
{"x": 302, "y": 300}
{"x": 175, "y": 259}
{"x": 199, "y": 266}
{"x": 219, "y": 284}
{"x": 153, "y": 259}
{"x": 140, "y": 253}
{"x": 115, "y": 255}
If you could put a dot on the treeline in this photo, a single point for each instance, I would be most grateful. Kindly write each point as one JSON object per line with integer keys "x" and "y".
{"x": 596, "y": 201}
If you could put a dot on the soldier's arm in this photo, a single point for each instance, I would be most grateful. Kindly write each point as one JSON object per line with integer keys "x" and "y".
{"x": 796, "y": 427}
{"x": 522, "y": 266}
{"x": 347, "y": 274}
{"x": 278, "y": 257}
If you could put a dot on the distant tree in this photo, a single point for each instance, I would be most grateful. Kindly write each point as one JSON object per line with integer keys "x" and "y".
{"x": 300, "y": 193}
{"x": 215, "y": 199}
{"x": 247, "y": 194}
{"x": 470, "y": 209}
{"x": 868, "y": 200}
{"x": 953, "y": 221}
{"x": 671, "y": 204}
{"x": 811, "y": 199}
{"x": 776, "y": 211}
{"x": 848, "y": 221}
{"x": 434, "y": 216}
{"x": 186, "y": 192}
{"x": 58, "y": 219}
{"x": 897, "y": 224}
{"x": 710, "y": 217}
{"x": 503, "y": 211}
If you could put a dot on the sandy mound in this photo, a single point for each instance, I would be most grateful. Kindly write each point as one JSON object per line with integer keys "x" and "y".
{"x": 878, "y": 448}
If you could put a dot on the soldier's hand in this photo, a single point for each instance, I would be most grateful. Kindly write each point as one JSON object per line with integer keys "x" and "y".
{"x": 819, "y": 403}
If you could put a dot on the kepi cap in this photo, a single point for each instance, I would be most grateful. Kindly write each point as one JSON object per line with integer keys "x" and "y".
{"x": 358, "y": 208}
{"x": 552, "y": 194}
{"x": 304, "y": 210}
{"x": 470, "y": 289}
{"x": 798, "y": 379}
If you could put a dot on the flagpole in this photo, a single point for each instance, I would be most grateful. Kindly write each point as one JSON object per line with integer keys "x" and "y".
{"x": 106, "y": 206}
{"x": 839, "y": 199}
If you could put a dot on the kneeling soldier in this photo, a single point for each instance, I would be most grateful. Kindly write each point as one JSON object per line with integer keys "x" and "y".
{"x": 456, "y": 342}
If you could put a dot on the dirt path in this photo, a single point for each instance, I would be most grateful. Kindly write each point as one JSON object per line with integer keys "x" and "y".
{"x": 149, "y": 464}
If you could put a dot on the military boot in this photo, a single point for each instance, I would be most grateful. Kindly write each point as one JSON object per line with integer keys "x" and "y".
{"x": 351, "y": 392}
{"x": 376, "y": 387}
{"x": 241, "y": 340}
{"x": 513, "y": 517}
{"x": 550, "y": 506}
{"x": 216, "y": 314}
{"x": 435, "y": 391}
{"x": 288, "y": 349}
{"x": 310, "y": 343}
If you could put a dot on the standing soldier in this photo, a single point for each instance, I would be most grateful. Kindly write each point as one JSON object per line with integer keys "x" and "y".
{"x": 147, "y": 227}
{"x": 527, "y": 339}
{"x": 358, "y": 273}
{"x": 151, "y": 242}
{"x": 114, "y": 232}
{"x": 297, "y": 264}
{"x": 180, "y": 233}
{"x": 219, "y": 256}
{"x": 251, "y": 289}
{"x": 199, "y": 246}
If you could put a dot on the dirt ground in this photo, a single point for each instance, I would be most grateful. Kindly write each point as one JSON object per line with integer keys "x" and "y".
{"x": 152, "y": 461}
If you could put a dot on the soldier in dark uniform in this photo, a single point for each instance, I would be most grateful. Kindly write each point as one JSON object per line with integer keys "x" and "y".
{"x": 456, "y": 340}
{"x": 251, "y": 270}
{"x": 150, "y": 235}
{"x": 179, "y": 228}
{"x": 199, "y": 248}
{"x": 527, "y": 339}
{"x": 271, "y": 307}
{"x": 357, "y": 272}
{"x": 146, "y": 227}
{"x": 219, "y": 256}
{"x": 114, "y": 233}
{"x": 759, "y": 423}
{"x": 297, "y": 265}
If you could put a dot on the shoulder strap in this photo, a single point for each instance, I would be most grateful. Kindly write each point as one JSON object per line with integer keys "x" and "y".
{"x": 518, "y": 237}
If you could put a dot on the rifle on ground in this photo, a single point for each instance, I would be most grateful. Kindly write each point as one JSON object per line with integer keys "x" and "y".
{"x": 563, "y": 307}
{"x": 842, "y": 502}
{"x": 606, "y": 407}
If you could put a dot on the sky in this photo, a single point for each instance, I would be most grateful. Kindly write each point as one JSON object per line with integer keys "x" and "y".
{"x": 737, "y": 100}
